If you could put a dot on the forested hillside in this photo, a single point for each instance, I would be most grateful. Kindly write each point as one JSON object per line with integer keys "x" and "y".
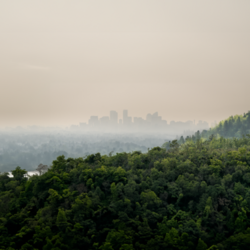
{"x": 193, "y": 196}
{"x": 27, "y": 150}
{"x": 234, "y": 126}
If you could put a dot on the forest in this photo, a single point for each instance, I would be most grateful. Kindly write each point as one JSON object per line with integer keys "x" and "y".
{"x": 234, "y": 126}
{"x": 28, "y": 149}
{"x": 188, "y": 194}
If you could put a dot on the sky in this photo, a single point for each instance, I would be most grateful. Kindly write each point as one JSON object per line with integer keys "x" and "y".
{"x": 63, "y": 61}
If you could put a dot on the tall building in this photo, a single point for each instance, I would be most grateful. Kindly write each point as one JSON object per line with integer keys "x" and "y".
{"x": 93, "y": 120}
{"x": 126, "y": 119}
{"x": 154, "y": 118}
{"x": 139, "y": 121}
{"x": 129, "y": 120}
{"x": 149, "y": 118}
{"x": 82, "y": 124}
{"x": 104, "y": 120}
{"x": 125, "y": 116}
{"x": 113, "y": 117}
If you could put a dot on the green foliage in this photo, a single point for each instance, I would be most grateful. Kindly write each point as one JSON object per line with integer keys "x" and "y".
{"x": 213, "y": 247}
{"x": 201, "y": 245}
{"x": 18, "y": 173}
{"x": 235, "y": 126}
{"x": 191, "y": 195}
{"x": 49, "y": 245}
{"x": 61, "y": 220}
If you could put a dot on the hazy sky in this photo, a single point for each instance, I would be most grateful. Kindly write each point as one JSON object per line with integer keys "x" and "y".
{"x": 62, "y": 61}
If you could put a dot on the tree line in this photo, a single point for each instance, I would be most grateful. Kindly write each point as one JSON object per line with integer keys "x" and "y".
{"x": 28, "y": 150}
{"x": 235, "y": 126}
{"x": 189, "y": 195}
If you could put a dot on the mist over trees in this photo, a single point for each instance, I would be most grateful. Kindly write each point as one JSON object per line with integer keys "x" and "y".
{"x": 235, "y": 126}
{"x": 28, "y": 150}
{"x": 189, "y": 196}
{"x": 191, "y": 193}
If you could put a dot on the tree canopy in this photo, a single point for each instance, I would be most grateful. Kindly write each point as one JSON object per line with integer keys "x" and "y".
{"x": 235, "y": 126}
{"x": 193, "y": 194}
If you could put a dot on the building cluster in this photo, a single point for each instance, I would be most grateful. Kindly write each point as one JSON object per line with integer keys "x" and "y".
{"x": 152, "y": 122}
{"x": 113, "y": 120}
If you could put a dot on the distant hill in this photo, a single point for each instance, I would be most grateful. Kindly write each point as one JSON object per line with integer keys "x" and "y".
{"x": 235, "y": 126}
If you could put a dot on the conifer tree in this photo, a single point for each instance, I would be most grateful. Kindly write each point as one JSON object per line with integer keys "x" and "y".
{"x": 201, "y": 245}
{"x": 61, "y": 220}
{"x": 49, "y": 245}
{"x": 213, "y": 247}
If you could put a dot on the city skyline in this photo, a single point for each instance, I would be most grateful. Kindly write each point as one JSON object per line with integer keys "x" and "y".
{"x": 169, "y": 56}
{"x": 113, "y": 119}
{"x": 152, "y": 123}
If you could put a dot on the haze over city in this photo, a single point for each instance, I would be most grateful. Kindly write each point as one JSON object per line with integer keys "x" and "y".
{"x": 62, "y": 61}
{"x": 124, "y": 124}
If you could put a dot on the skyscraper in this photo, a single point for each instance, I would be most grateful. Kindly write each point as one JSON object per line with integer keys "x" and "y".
{"x": 149, "y": 118}
{"x": 104, "y": 121}
{"x": 127, "y": 120}
{"x": 113, "y": 117}
{"x": 125, "y": 116}
{"x": 93, "y": 121}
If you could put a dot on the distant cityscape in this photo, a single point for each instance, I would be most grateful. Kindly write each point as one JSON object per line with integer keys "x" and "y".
{"x": 152, "y": 122}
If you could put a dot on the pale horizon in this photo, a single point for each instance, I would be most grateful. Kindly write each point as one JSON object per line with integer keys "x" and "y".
{"x": 64, "y": 61}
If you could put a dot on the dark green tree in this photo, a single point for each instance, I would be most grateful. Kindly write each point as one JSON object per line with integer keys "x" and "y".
{"x": 61, "y": 220}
